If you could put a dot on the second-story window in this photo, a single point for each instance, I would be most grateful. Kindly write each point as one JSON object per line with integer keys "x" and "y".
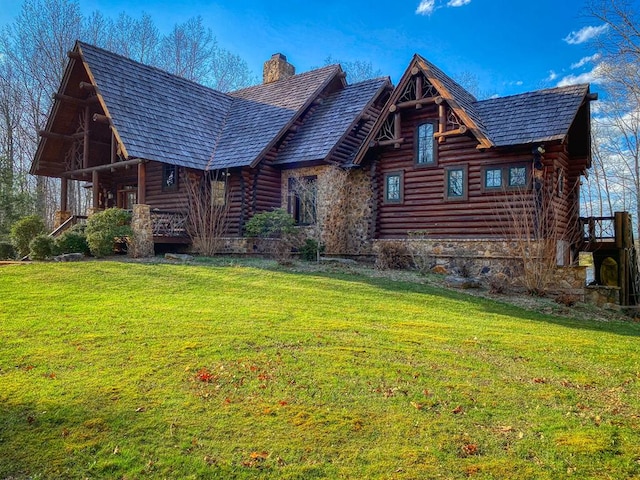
{"x": 425, "y": 144}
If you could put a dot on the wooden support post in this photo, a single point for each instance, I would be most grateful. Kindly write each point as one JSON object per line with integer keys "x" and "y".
{"x": 418, "y": 91}
{"x": 95, "y": 189}
{"x": 114, "y": 148}
{"x": 64, "y": 188}
{"x": 142, "y": 182}
{"x": 442, "y": 121}
{"x": 85, "y": 151}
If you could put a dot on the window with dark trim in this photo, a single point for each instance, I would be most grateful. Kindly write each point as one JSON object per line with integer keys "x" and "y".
{"x": 518, "y": 176}
{"x": 302, "y": 203}
{"x": 393, "y": 187}
{"x": 493, "y": 178}
{"x": 426, "y": 146}
{"x": 169, "y": 177}
{"x": 218, "y": 193}
{"x": 560, "y": 189}
{"x": 455, "y": 183}
{"x": 505, "y": 177}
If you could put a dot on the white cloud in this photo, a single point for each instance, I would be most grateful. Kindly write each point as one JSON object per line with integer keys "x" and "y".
{"x": 552, "y": 76}
{"x": 458, "y": 3}
{"x": 584, "y": 60}
{"x": 594, "y": 76}
{"x": 426, "y": 7}
{"x": 585, "y": 34}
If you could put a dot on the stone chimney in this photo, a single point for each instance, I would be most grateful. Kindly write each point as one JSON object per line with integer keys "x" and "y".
{"x": 277, "y": 68}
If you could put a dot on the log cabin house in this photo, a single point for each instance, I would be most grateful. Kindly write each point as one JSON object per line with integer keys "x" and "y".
{"x": 136, "y": 134}
{"x": 458, "y": 169}
{"x": 425, "y": 156}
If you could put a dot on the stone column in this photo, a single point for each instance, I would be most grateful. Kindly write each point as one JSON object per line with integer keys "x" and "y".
{"x": 60, "y": 217}
{"x": 142, "y": 242}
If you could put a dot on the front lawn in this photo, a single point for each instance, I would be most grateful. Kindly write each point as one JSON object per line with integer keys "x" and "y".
{"x": 124, "y": 370}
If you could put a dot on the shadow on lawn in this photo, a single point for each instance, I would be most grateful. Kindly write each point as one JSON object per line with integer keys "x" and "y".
{"x": 493, "y": 306}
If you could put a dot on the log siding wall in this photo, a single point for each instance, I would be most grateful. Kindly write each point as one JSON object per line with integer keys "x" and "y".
{"x": 424, "y": 206}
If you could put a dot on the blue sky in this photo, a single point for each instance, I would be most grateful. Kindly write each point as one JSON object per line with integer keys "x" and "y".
{"x": 509, "y": 46}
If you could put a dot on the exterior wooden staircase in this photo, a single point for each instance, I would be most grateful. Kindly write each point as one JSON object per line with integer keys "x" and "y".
{"x": 610, "y": 240}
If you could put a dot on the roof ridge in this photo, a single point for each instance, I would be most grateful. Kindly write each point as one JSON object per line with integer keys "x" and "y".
{"x": 151, "y": 67}
{"x": 279, "y": 82}
{"x": 550, "y": 89}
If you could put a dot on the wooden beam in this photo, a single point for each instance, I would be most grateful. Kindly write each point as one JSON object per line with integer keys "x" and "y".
{"x": 74, "y": 55}
{"x": 64, "y": 188}
{"x": 142, "y": 182}
{"x": 85, "y": 149}
{"x": 87, "y": 86}
{"x": 419, "y": 102}
{"x": 384, "y": 143}
{"x": 415, "y": 70}
{"x": 56, "y": 136}
{"x": 114, "y": 148}
{"x": 442, "y": 118}
{"x": 73, "y": 100}
{"x": 106, "y": 166}
{"x": 397, "y": 125}
{"x": 441, "y": 136}
{"x": 95, "y": 189}
{"x": 99, "y": 118}
{"x": 418, "y": 91}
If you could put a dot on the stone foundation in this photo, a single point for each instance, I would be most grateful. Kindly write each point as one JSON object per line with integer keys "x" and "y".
{"x": 141, "y": 244}
{"x": 601, "y": 295}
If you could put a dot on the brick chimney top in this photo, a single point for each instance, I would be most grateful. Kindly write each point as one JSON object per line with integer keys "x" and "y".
{"x": 277, "y": 68}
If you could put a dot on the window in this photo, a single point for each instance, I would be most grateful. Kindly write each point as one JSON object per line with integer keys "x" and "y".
{"x": 303, "y": 193}
{"x": 504, "y": 177}
{"x": 425, "y": 144}
{"x": 518, "y": 176}
{"x": 169, "y": 177}
{"x": 455, "y": 183}
{"x": 218, "y": 193}
{"x": 493, "y": 178}
{"x": 393, "y": 187}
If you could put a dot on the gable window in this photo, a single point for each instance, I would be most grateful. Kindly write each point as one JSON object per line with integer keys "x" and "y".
{"x": 493, "y": 178}
{"x": 218, "y": 193}
{"x": 303, "y": 194}
{"x": 425, "y": 144}
{"x": 169, "y": 177}
{"x": 518, "y": 176}
{"x": 456, "y": 183}
{"x": 393, "y": 187}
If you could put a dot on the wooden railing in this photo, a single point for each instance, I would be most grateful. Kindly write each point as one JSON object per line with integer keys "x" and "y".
{"x": 68, "y": 223}
{"x": 598, "y": 229}
{"x": 168, "y": 224}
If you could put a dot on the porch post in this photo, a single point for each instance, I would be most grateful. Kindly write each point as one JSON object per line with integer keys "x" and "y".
{"x": 142, "y": 182}
{"x": 63, "y": 214}
{"x": 95, "y": 188}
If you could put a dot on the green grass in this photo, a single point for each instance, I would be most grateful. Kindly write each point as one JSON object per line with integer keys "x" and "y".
{"x": 312, "y": 375}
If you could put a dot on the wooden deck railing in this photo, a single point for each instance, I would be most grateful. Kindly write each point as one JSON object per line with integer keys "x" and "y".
{"x": 598, "y": 229}
{"x": 168, "y": 224}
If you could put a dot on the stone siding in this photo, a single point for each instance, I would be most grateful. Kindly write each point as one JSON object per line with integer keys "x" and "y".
{"x": 141, "y": 244}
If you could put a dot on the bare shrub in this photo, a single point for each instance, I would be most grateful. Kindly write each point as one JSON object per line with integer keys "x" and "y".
{"x": 392, "y": 256}
{"x": 208, "y": 205}
{"x": 498, "y": 283}
{"x": 421, "y": 253}
{"x": 537, "y": 228}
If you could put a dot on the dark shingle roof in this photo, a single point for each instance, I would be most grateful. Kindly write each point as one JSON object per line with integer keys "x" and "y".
{"x": 158, "y": 116}
{"x": 259, "y": 113}
{"x": 326, "y": 126}
{"x": 532, "y": 117}
{"x": 461, "y": 97}
{"x": 162, "y": 117}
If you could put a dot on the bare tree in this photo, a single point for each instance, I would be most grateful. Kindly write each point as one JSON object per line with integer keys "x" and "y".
{"x": 208, "y": 206}
{"x": 356, "y": 70}
{"x": 617, "y": 132}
